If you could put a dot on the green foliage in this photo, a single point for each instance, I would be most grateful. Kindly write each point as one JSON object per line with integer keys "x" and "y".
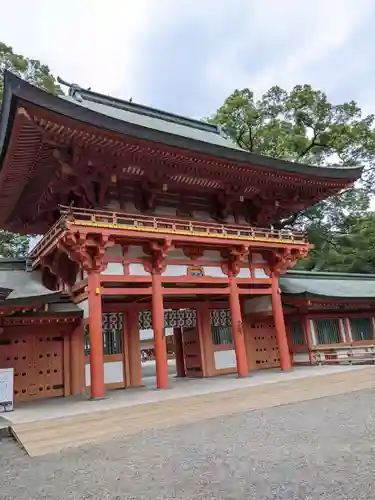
{"x": 303, "y": 126}
{"x": 31, "y": 70}
{"x": 13, "y": 245}
{"x": 38, "y": 74}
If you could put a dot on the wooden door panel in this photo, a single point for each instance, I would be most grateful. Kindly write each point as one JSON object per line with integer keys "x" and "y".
{"x": 192, "y": 353}
{"x": 49, "y": 366}
{"x": 263, "y": 351}
{"x": 37, "y": 359}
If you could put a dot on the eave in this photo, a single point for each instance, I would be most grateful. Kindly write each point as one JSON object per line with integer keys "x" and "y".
{"x": 17, "y": 89}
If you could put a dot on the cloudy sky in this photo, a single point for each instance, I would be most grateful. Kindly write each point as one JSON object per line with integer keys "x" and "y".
{"x": 187, "y": 56}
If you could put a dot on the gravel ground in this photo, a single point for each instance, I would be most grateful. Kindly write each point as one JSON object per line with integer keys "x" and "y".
{"x": 322, "y": 449}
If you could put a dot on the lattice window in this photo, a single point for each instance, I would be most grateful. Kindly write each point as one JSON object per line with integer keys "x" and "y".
{"x": 173, "y": 318}
{"x": 296, "y": 330}
{"x": 361, "y": 328}
{"x": 113, "y": 326}
{"x": 328, "y": 331}
{"x": 220, "y": 317}
{"x": 222, "y": 335}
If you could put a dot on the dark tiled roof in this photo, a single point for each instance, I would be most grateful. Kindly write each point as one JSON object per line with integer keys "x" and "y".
{"x": 328, "y": 285}
{"x": 149, "y": 124}
{"x": 20, "y": 287}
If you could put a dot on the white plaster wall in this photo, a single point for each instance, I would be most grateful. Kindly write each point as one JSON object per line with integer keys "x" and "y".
{"x": 149, "y": 333}
{"x": 301, "y": 357}
{"x": 84, "y": 306}
{"x": 244, "y": 273}
{"x": 260, "y": 273}
{"x": 258, "y": 304}
{"x": 177, "y": 253}
{"x": 313, "y": 332}
{"x": 174, "y": 270}
{"x": 115, "y": 251}
{"x": 214, "y": 272}
{"x": 135, "y": 251}
{"x": 137, "y": 269}
{"x": 257, "y": 258}
{"x": 212, "y": 256}
{"x": 130, "y": 207}
{"x": 201, "y": 215}
{"x": 225, "y": 359}
{"x": 342, "y": 331}
{"x": 113, "y": 373}
{"x": 113, "y": 269}
{"x": 166, "y": 211}
{"x": 114, "y": 205}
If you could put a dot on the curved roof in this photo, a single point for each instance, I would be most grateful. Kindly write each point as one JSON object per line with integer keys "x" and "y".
{"x": 19, "y": 287}
{"x": 328, "y": 285}
{"x": 146, "y": 123}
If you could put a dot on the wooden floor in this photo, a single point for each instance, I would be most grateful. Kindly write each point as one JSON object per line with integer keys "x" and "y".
{"x": 48, "y": 436}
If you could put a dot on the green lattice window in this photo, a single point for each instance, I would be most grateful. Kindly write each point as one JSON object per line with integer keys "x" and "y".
{"x": 296, "y": 330}
{"x": 222, "y": 335}
{"x": 361, "y": 328}
{"x": 328, "y": 331}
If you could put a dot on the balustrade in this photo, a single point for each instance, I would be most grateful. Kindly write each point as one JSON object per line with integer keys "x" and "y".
{"x": 138, "y": 222}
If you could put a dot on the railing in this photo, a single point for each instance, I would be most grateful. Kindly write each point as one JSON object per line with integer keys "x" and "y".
{"x": 345, "y": 355}
{"x": 49, "y": 238}
{"x": 137, "y": 222}
{"x": 101, "y": 218}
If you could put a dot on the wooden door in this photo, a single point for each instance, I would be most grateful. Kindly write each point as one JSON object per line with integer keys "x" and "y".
{"x": 262, "y": 348}
{"x": 37, "y": 359}
{"x": 192, "y": 352}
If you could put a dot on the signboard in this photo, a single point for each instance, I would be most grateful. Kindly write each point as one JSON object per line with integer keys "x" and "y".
{"x": 6, "y": 389}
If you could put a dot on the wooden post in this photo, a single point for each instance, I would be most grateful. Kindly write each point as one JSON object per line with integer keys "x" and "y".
{"x": 278, "y": 315}
{"x": 159, "y": 332}
{"x": 77, "y": 360}
{"x": 308, "y": 337}
{"x": 237, "y": 328}
{"x": 96, "y": 335}
{"x": 134, "y": 348}
{"x": 179, "y": 352}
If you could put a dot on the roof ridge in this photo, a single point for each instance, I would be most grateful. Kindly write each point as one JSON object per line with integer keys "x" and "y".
{"x": 79, "y": 94}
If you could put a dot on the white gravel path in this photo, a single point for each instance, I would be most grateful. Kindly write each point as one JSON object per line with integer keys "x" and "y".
{"x": 321, "y": 449}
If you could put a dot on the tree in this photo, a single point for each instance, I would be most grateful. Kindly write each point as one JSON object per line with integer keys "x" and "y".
{"x": 303, "y": 126}
{"x": 38, "y": 74}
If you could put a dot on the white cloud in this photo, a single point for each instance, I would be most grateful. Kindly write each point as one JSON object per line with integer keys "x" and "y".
{"x": 306, "y": 35}
{"x": 226, "y": 44}
{"x": 90, "y": 42}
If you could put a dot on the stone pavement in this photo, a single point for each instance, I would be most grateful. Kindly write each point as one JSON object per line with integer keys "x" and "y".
{"x": 47, "y": 436}
{"x": 321, "y": 449}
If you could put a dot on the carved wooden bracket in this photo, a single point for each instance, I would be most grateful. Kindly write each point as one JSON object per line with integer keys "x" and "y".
{"x": 158, "y": 254}
{"x": 87, "y": 250}
{"x": 193, "y": 253}
{"x": 280, "y": 260}
{"x": 234, "y": 258}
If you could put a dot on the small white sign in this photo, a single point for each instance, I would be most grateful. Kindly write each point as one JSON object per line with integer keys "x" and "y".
{"x": 6, "y": 389}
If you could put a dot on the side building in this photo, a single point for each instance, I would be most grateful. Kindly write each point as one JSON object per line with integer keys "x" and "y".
{"x": 152, "y": 221}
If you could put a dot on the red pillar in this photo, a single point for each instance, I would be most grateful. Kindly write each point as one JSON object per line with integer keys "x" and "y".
{"x": 278, "y": 316}
{"x": 96, "y": 335}
{"x": 159, "y": 333}
{"x": 179, "y": 352}
{"x": 237, "y": 329}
